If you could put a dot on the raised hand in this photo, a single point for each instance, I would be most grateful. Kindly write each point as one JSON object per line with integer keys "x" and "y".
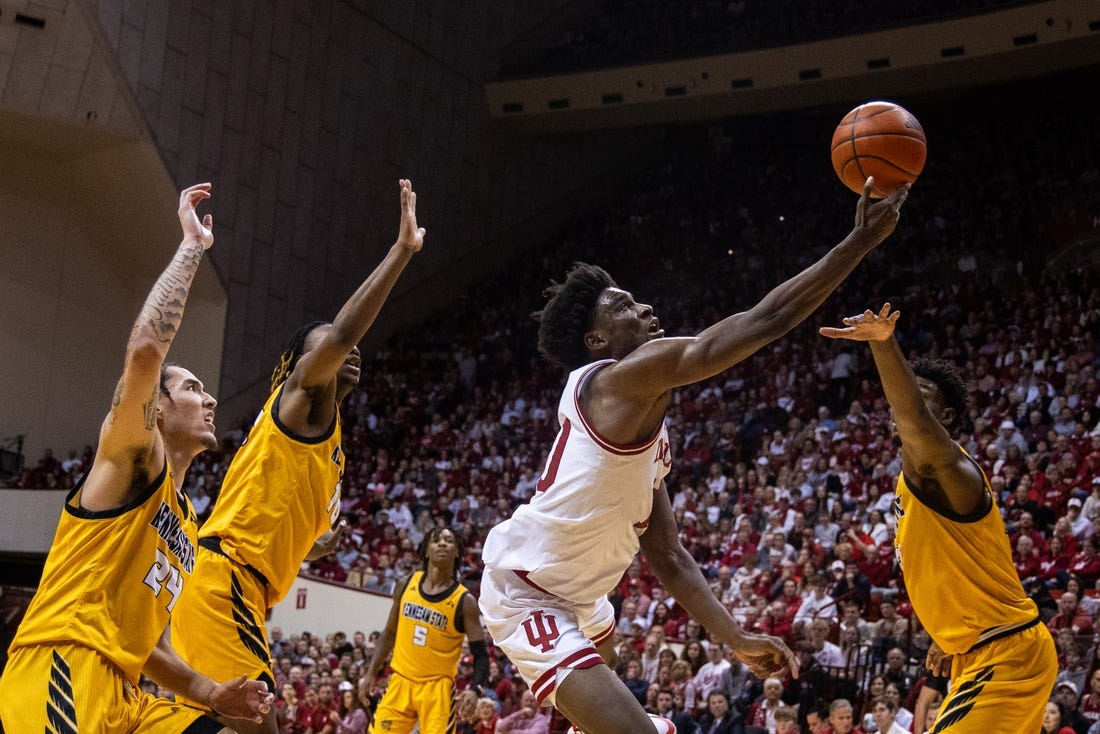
{"x": 866, "y": 327}
{"x": 241, "y": 698}
{"x": 410, "y": 236}
{"x": 201, "y": 231}
{"x": 876, "y": 221}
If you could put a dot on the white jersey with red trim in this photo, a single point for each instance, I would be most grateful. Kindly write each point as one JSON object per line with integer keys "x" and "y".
{"x": 578, "y": 534}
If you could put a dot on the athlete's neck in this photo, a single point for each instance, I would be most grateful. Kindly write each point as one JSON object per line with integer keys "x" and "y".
{"x": 437, "y": 578}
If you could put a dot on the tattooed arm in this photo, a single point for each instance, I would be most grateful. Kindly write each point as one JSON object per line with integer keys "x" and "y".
{"x": 131, "y": 450}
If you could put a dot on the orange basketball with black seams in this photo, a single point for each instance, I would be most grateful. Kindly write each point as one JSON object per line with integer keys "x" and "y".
{"x": 879, "y": 139}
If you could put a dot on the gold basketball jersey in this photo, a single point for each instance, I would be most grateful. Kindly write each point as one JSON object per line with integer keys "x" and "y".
{"x": 112, "y": 577}
{"x": 959, "y": 572}
{"x": 428, "y": 640}
{"x": 281, "y": 493}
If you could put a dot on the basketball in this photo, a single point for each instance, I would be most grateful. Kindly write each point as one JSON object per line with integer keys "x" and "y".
{"x": 879, "y": 139}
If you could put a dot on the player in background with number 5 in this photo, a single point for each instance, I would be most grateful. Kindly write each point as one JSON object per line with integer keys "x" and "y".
{"x": 280, "y": 498}
{"x": 431, "y": 613}
{"x": 549, "y": 568}
{"x": 125, "y": 547}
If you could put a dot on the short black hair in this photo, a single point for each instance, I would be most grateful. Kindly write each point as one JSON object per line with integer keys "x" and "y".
{"x": 295, "y": 348}
{"x": 948, "y": 380}
{"x": 567, "y": 315}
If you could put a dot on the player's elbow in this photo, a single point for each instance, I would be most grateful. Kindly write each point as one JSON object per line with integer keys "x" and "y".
{"x": 145, "y": 354}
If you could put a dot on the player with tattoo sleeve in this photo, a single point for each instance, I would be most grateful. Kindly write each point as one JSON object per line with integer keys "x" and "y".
{"x": 125, "y": 547}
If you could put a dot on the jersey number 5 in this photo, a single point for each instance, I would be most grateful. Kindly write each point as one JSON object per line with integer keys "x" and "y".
{"x": 420, "y": 635}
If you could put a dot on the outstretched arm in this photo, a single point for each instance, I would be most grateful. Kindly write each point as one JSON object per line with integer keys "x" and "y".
{"x": 929, "y": 457}
{"x": 304, "y": 394}
{"x": 663, "y": 364}
{"x": 680, "y": 576}
{"x": 384, "y": 647}
{"x": 236, "y": 699}
{"x": 129, "y": 443}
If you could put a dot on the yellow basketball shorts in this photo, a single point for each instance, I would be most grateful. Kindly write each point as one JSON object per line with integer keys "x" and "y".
{"x": 409, "y": 702}
{"x": 218, "y": 622}
{"x": 1007, "y": 680}
{"x": 69, "y": 688}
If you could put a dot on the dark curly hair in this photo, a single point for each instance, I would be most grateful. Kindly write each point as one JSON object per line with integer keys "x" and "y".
{"x": 432, "y": 534}
{"x": 567, "y": 315}
{"x": 164, "y": 366}
{"x": 293, "y": 352}
{"x": 949, "y": 380}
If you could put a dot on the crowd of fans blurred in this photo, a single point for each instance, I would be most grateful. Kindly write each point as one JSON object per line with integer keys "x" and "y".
{"x": 784, "y": 467}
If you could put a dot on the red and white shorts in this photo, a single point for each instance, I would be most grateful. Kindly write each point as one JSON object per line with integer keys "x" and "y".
{"x": 545, "y": 636}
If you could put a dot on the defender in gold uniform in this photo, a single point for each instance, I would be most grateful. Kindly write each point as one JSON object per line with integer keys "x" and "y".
{"x": 124, "y": 549}
{"x": 954, "y": 552}
{"x": 431, "y": 614}
{"x": 281, "y": 496}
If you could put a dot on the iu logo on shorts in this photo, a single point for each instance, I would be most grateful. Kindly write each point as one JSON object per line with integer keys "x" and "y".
{"x": 542, "y": 630}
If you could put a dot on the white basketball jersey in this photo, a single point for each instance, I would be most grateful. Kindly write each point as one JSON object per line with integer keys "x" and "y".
{"x": 579, "y": 532}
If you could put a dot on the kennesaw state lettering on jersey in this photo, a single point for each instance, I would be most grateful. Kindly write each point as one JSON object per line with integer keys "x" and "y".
{"x": 423, "y": 614}
{"x": 168, "y": 527}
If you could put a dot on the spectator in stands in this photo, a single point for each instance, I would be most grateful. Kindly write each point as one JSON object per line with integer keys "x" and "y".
{"x": 897, "y": 672}
{"x": 1009, "y": 436}
{"x": 349, "y": 716}
{"x": 786, "y": 721}
{"x": 487, "y": 716}
{"x": 896, "y": 695}
{"x": 709, "y": 676}
{"x": 529, "y": 717}
{"x": 1071, "y": 616}
{"x": 762, "y": 711}
{"x": 1066, "y": 693}
{"x": 816, "y": 604}
{"x": 1090, "y": 702}
{"x": 817, "y": 719}
{"x": 694, "y": 654}
{"x": 682, "y": 683}
{"x": 1054, "y": 719}
{"x": 634, "y": 681}
{"x": 1086, "y": 563}
{"x": 883, "y": 713}
{"x": 1073, "y": 669}
{"x": 465, "y": 708}
{"x": 286, "y": 710}
{"x": 826, "y": 653}
{"x": 891, "y": 630}
{"x": 840, "y": 718}
{"x": 502, "y": 687}
{"x": 850, "y": 617}
{"x": 719, "y": 717}
{"x": 684, "y": 723}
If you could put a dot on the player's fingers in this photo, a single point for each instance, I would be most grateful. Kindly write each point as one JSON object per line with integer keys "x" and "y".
{"x": 894, "y": 316}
